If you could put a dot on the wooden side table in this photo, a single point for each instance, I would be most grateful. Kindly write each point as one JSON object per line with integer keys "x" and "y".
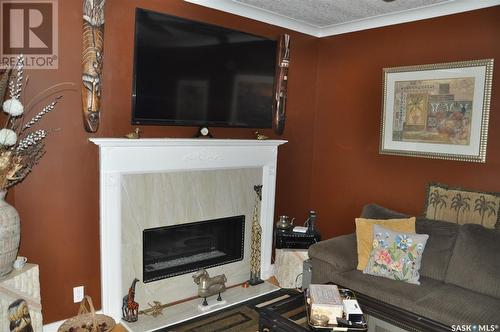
{"x": 21, "y": 284}
{"x": 288, "y": 266}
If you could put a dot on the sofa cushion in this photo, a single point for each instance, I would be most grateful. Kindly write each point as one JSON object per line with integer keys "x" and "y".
{"x": 364, "y": 234}
{"x": 396, "y": 255}
{"x": 374, "y": 211}
{"x": 455, "y": 305}
{"x": 339, "y": 252}
{"x": 475, "y": 263}
{"x": 400, "y": 294}
{"x": 461, "y": 206}
{"x": 439, "y": 247}
{"x": 445, "y": 303}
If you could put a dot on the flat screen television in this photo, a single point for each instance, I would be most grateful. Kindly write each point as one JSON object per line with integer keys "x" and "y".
{"x": 197, "y": 74}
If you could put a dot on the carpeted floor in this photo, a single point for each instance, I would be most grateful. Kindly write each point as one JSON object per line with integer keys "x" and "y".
{"x": 239, "y": 318}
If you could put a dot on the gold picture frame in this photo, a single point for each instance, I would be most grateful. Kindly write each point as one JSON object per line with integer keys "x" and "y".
{"x": 438, "y": 111}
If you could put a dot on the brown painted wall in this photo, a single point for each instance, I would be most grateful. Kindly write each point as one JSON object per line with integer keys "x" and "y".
{"x": 348, "y": 171}
{"x": 59, "y": 202}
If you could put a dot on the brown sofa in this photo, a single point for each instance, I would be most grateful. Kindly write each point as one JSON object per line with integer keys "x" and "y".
{"x": 460, "y": 276}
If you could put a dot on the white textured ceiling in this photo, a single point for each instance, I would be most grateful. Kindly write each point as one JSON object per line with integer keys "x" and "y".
{"x": 324, "y": 13}
{"x": 322, "y": 18}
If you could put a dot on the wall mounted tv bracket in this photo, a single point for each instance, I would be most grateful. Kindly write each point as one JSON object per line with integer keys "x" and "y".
{"x": 280, "y": 88}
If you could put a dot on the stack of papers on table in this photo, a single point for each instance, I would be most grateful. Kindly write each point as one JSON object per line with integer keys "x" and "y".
{"x": 325, "y": 300}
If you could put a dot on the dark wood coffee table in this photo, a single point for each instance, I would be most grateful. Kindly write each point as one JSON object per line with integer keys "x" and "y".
{"x": 289, "y": 315}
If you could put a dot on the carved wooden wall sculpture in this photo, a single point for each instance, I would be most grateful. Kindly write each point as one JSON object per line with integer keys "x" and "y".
{"x": 4, "y": 83}
{"x": 93, "y": 46}
{"x": 280, "y": 89}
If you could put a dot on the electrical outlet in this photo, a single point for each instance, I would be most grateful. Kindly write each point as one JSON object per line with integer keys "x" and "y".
{"x": 78, "y": 294}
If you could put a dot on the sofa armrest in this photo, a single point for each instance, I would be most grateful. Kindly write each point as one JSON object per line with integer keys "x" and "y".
{"x": 340, "y": 252}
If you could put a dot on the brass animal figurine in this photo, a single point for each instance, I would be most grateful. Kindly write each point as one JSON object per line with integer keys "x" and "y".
{"x": 130, "y": 308}
{"x": 92, "y": 58}
{"x": 260, "y": 137}
{"x": 208, "y": 286}
{"x": 136, "y": 134}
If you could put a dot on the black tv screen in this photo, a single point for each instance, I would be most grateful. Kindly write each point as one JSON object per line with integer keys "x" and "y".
{"x": 196, "y": 74}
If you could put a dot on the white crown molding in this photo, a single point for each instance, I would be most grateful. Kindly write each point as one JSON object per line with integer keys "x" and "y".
{"x": 441, "y": 9}
{"x": 258, "y": 14}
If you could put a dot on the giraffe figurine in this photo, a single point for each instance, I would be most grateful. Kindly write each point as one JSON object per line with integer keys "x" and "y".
{"x": 130, "y": 308}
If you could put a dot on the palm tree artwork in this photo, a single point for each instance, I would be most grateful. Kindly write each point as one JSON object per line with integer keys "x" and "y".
{"x": 437, "y": 201}
{"x": 460, "y": 203}
{"x": 482, "y": 206}
{"x": 415, "y": 110}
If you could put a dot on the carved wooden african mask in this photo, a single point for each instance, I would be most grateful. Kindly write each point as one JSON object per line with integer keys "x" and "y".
{"x": 93, "y": 47}
{"x": 280, "y": 88}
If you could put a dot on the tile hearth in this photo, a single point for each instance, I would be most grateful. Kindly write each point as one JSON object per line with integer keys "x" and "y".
{"x": 190, "y": 309}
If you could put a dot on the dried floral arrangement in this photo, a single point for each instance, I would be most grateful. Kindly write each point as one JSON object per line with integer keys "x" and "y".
{"x": 20, "y": 147}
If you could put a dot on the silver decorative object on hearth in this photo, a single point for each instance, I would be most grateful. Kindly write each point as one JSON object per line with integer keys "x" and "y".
{"x": 256, "y": 240}
{"x": 208, "y": 286}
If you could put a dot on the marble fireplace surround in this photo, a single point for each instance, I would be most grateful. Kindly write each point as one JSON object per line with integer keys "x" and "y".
{"x": 180, "y": 198}
{"x": 120, "y": 157}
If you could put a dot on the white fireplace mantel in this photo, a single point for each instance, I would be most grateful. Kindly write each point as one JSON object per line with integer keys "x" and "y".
{"x": 125, "y": 156}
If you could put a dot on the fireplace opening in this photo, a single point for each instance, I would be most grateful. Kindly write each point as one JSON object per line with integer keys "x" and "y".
{"x": 173, "y": 250}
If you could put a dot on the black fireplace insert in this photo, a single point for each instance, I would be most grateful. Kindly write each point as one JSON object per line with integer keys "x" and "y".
{"x": 173, "y": 250}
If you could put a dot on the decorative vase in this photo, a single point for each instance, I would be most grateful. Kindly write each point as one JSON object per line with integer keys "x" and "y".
{"x": 10, "y": 235}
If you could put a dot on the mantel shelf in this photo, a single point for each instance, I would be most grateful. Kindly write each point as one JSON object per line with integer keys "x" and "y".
{"x": 149, "y": 142}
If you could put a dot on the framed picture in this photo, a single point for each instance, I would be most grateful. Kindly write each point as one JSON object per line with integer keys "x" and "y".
{"x": 437, "y": 111}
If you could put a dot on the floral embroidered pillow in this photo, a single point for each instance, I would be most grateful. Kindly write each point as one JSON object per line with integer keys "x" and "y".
{"x": 396, "y": 255}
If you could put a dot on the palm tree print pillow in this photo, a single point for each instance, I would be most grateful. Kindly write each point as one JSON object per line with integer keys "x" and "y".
{"x": 461, "y": 206}
{"x": 396, "y": 255}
